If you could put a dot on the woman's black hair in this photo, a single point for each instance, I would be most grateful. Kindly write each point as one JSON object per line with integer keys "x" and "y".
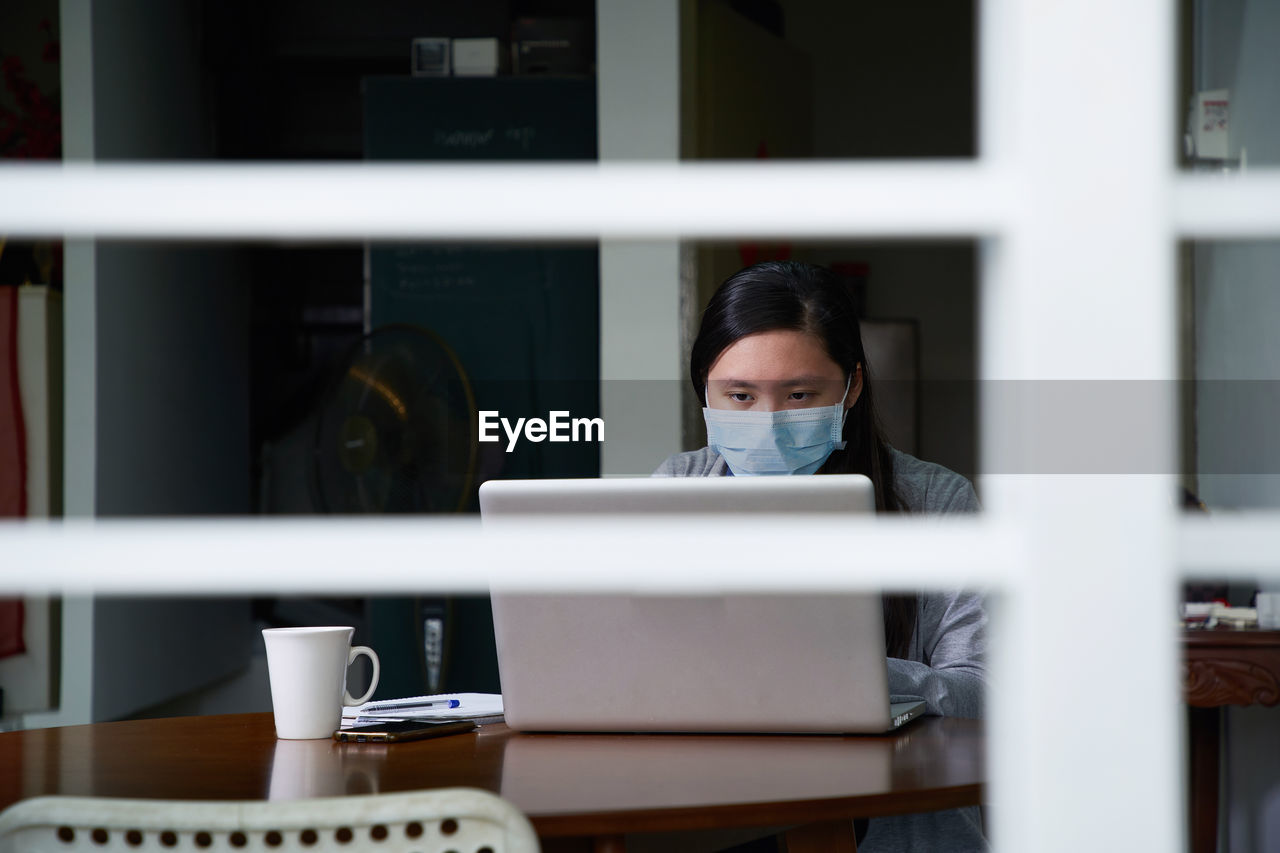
{"x": 814, "y": 300}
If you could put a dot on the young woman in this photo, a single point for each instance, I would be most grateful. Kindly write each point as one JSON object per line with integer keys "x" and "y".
{"x": 787, "y": 389}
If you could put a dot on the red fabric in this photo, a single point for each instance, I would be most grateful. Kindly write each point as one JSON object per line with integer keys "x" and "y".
{"x": 11, "y": 616}
{"x": 13, "y": 438}
{"x": 13, "y": 455}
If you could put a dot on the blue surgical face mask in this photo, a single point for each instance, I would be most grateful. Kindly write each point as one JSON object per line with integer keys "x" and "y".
{"x": 789, "y": 441}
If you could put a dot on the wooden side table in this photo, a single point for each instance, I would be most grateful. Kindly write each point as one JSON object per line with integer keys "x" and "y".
{"x": 1221, "y": 667}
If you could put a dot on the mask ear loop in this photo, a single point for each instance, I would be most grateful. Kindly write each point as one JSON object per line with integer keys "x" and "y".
{"x": 844, "y": 413}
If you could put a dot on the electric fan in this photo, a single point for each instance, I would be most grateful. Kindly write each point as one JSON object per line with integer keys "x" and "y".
{"x": 396, "y": 432}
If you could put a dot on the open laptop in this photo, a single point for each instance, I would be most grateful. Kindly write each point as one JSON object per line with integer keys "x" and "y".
{"x": 689, "y": 663}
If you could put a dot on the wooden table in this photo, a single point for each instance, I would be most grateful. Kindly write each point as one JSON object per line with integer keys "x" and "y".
{"x": 1221, "y": 667}
{"x": 581, "y": 792}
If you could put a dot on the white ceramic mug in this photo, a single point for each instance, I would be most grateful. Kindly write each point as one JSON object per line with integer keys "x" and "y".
{"x": 308, "y": 670}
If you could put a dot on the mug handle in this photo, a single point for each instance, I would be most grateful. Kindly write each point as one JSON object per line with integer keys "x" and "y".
{"x": 356, "y": 651}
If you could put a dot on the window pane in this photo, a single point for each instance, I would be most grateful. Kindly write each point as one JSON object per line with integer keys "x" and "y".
{"x": 1228, "y": 77}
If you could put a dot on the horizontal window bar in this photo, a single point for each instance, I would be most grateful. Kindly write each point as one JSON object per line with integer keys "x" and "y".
{"x": 1228, "y": 545}
{"x": 582, "y": 201}
{"x": 1234, "y": 206}
{"x": 331, "y": 554}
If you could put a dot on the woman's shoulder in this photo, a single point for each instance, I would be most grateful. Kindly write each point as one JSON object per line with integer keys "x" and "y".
{"x": 695, "y": 463}
{"x": 928, "y": 487}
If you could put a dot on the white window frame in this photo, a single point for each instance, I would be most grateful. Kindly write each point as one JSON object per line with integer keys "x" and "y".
{"x": 1077, "y": 204}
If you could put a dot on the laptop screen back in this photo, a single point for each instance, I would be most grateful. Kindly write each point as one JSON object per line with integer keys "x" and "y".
{"x": 681, "y": 663}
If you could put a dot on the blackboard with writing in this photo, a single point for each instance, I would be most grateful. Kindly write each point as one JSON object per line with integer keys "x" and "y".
{"x": 480, "y": 118}
{"x": 523, "y": 320}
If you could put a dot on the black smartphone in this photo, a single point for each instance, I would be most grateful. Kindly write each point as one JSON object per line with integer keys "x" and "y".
{"x": 395, "y": 731}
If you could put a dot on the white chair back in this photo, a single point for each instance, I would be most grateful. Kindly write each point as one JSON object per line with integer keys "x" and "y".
{"x": 460, "y": 820}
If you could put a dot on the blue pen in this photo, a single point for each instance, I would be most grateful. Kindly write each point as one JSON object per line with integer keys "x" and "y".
{"x": 396, "y": 707}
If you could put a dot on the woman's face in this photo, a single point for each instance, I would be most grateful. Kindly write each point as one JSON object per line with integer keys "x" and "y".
{"x": 778, "y": 369}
